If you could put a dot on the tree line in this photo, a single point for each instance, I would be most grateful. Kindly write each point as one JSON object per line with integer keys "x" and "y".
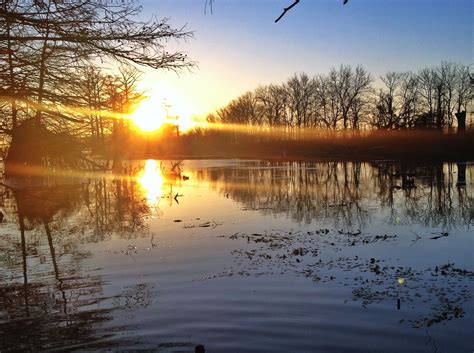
{"x": 346, "y": 98}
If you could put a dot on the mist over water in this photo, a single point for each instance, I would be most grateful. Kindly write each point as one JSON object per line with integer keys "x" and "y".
{"x": 240, "y": 256}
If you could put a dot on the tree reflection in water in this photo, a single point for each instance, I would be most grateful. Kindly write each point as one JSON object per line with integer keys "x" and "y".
{"x": 48, "y": 297}
{"x": 350, "y": 194}
{"x": 345, "y": 198}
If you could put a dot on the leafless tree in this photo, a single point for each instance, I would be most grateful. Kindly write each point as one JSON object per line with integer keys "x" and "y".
{"x": 397, "y": 102}
{"x": 300, "y": 100}
{"x": 44, "y": 45}
{"x": 272, "y": 104}
{"x": 348, "y": 86}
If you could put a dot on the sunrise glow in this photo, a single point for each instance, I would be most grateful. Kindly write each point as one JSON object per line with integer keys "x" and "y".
{"x": 148, "y": 116}
{"x": 159, "y": 109}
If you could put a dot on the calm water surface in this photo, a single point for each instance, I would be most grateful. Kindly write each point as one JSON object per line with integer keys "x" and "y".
{"x": 240, "y": 256}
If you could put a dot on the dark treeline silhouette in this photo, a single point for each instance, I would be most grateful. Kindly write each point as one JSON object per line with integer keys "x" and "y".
{"x": 250, "y": 142}
{"x": 342, "y": 115}
{"x": 346, "y": 98}
{"x": 52, "y": 77}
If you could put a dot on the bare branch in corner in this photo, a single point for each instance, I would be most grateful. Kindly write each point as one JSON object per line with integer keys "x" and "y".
{"x": 286, "y": 9}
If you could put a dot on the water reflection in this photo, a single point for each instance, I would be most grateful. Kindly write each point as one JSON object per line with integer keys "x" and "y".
{"x": 351, "y": 194}
{"x": 158, "y": 182}
{"x": 50, "y": 297}
{"x": 151, "y": 181}
{"x": 46, "y": 287}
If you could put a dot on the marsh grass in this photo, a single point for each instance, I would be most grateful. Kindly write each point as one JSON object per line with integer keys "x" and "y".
{"x": 312, "y": 145}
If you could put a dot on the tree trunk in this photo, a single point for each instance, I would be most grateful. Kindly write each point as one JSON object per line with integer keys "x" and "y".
{"x": 461, "y": 174}
{"x": 461, "y": 117}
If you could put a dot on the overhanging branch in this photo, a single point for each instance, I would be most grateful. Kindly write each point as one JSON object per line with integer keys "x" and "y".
{"x": 286, "y": 9}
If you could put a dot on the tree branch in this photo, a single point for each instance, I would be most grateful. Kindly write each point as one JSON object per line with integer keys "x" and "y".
{"x": 286, "y": 9}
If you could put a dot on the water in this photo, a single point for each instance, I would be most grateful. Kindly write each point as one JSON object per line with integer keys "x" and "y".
{"x": 240, "y": 256}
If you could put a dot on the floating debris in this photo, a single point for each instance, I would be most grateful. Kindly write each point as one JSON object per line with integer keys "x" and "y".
{"x": 374, "y": 280}
{"x": 212, "y": 224}
{"x": 442, "y": 235}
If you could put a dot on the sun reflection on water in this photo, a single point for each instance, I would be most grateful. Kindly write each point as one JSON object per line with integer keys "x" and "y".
{"x": 151, "y": 181}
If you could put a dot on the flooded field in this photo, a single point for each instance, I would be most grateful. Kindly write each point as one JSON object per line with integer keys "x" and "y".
{"x": 240, "y": 256}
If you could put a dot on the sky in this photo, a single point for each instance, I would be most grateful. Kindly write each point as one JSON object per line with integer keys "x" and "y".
{"x": 239, "y": 47}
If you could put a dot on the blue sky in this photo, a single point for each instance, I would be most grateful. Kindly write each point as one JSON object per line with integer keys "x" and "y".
{"x": 239, "y": 46}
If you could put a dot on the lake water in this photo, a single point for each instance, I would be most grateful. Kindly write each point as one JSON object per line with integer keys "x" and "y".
{"x": 240, "y": 256}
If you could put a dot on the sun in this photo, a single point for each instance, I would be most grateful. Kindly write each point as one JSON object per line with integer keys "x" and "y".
{"x": 156, "y": 110}
{"x": 148, "y": 116}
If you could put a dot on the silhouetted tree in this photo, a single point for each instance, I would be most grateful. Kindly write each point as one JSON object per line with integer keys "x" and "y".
{"x": 272, "y": 100}
{"x": 300, "y": 100}
{"x": 348, "y": 86}
{"x": 44, "y": 45}
{"x": 396, "y": 103}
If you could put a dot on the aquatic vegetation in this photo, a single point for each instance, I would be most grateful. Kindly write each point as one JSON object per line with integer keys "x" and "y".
{"x": 313, "y": 254}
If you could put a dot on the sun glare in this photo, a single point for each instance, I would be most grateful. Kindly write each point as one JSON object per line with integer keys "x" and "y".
{"x": 148, "y": 116}
{"x": 155, "y": 111}
{"x": 151, "y": 181}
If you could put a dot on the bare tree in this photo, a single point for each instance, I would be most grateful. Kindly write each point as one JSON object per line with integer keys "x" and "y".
{"x": 330, "y": 113}
{"x": 300, "y": 100}
{"x": 348, "y": 86}
{"x": 272, "y": 103}
{"x": 445, "y": 90}
{"x": 463, "y": 94}
{"x": 45, "y": 44}
{"x": 397, "y": 102}
{"x": 62, "y": 36}
{"x": 427, "y": 80}
{"x": 386, "y": 115}
{"x": 92, "y": 90}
